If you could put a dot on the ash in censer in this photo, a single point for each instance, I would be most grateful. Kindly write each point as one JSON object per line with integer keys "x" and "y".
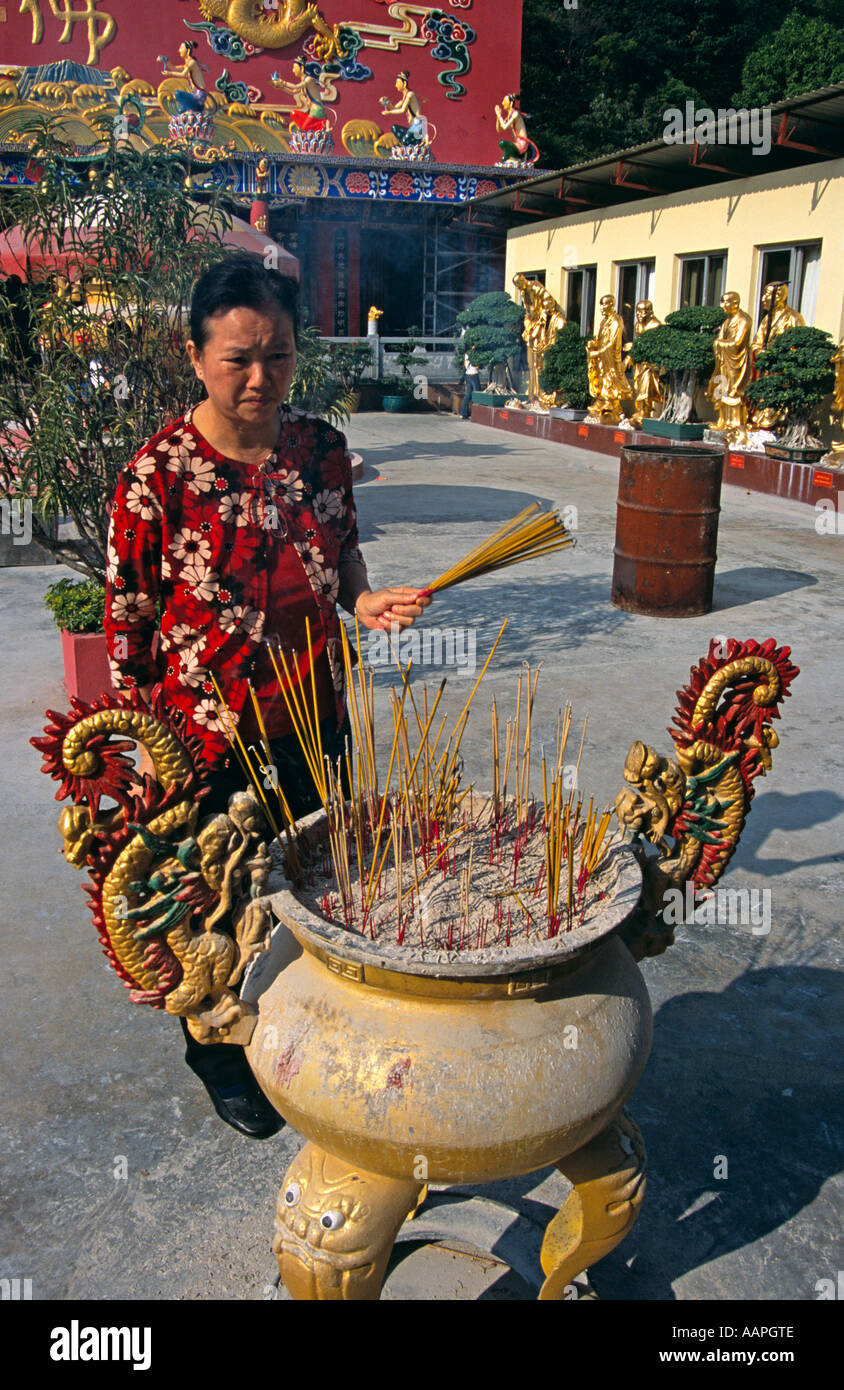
{"x": 484, "y": 887}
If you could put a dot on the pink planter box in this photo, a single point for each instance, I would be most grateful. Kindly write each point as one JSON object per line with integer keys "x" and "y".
{"x": 86, "y": 671}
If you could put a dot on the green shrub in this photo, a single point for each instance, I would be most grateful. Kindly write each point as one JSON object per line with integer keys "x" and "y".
{"x": 564, "y": 368}
{"x": 407, "y": 356}
{"x": 493, "y": 324}
{"x": 395, "y": 386}
{"x": 682, "y": 346}
{"x": 77, "y": 605}
{"x": 315, "y": 388}
{"x": 349, "y": 361}
{"x": 796, "y": 372}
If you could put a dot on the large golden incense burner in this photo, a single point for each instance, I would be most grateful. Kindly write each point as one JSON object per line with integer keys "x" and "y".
{"x": 405, "y": 1054}
{"x": 403, "y": 1072}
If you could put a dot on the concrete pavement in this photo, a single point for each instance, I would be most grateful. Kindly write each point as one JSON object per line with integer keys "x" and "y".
{"x": 747, "y": 1028}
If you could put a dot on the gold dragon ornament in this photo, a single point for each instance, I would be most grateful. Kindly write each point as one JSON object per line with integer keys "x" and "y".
{"x": 274, "y": 28}
{"x": 692, "y": 808}
{"x": 176, "y": 901}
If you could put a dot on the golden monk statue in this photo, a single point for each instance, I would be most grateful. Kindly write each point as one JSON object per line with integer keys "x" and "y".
{"x": 533, "y": 332}
{"x": 648, "y": 398}
{"x": 544, "y": 318}
{"x": 835, "y": 457}
{"x": 608, "y": 385}
{"x": 777, "y": 316}
{"x": 732, "y": 369}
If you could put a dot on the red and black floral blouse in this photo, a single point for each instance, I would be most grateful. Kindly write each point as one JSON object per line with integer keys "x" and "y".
{"x": 239, "y": 556}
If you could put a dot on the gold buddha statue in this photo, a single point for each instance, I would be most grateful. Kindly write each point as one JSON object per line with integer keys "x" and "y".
{"x": 648, "y": 398}
{"x": 544, "y": 318}
{"x": 835, "y": 457}
{"x": 608, "y": 385}
{"x": 777, "y": 316}
{"x": 732, "y": 369}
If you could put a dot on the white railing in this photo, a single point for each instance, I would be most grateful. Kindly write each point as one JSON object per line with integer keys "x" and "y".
{"x": 435, "y": 357}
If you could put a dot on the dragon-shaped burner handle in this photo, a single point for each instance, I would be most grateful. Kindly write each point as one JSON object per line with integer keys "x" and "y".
{"x": 177, "y": 903}
{"x": 692, "y": 808}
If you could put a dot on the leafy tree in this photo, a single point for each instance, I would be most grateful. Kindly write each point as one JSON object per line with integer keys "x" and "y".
{"x": 493, "y": 324}
{"x": 682, "y": 345}
{"x": 112, "y": 370}
{"x": 407, "y": 356}
{"x": 349, "y": 361}
{"x": 317, "y": 386}
{"x": 600, "y": 77}
{"x": 796, "y": 373}
{"x": 564, "y": 368}
{"x": 803, "y": 55}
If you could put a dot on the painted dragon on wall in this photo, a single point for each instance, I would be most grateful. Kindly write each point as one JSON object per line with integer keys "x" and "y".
{"x": 176, "y": 899}
{"x": 692, "y": 808}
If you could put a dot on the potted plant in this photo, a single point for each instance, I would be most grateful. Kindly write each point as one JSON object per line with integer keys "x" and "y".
{"x": 396, "y": 393}
{"x": 564, "y": 370}
{"x": 78, "y": 607}
{"x": 349, "y": 362}
{"x": 493, "y": 324}
{"x": 796, "y": 372}
{"x": 682, "y": 346}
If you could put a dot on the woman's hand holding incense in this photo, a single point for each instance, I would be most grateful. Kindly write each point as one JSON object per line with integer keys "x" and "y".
{"x": 385, "y": 607}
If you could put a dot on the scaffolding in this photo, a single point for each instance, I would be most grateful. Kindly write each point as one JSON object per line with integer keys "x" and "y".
{"x": 460, "y": 263}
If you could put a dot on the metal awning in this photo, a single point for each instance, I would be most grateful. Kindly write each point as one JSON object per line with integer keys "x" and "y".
{"x": 804, "y": 130}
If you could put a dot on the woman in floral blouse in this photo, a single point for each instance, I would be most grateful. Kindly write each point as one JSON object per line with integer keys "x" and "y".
{"x": 239, "y": 519}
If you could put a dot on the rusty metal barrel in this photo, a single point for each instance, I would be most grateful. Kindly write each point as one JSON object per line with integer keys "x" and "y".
{"x": 666, "y": 533}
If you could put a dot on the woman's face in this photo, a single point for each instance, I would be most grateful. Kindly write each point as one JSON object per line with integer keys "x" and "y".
{"x": 247, "y": 363}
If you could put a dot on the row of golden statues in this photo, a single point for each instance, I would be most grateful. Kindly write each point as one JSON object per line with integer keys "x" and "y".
{"x": 608, "y": 363}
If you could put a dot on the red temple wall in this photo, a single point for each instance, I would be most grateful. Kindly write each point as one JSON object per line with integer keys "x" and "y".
{"x": 465, "y": 124}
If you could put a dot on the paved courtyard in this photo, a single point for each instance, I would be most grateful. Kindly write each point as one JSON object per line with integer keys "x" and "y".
{"x": 746, "y": 1058}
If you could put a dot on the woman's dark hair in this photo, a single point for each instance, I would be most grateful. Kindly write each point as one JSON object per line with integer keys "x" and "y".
{"x": 240, "y": 281}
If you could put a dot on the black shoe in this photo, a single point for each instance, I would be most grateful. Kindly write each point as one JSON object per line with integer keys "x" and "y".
{"x": 245, "y": 1108}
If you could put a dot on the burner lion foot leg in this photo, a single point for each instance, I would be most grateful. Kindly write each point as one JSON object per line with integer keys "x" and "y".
{"x": 335, "y": 1226}
{"x": 608, "y": 1176}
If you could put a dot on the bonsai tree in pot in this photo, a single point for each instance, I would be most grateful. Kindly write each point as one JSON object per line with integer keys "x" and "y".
{"x": 682, "y": 345}
{"x": 493, "y": 324}
{"x": 796, "y": 372}
{"x": 564, "y": 369}
{"x": 396, "y": 392}
{"x": 408, "y": 358}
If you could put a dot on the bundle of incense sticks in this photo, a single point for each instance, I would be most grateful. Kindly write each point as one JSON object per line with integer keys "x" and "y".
{"x": 422, "y": 817}
{"x": 530, "y": 534}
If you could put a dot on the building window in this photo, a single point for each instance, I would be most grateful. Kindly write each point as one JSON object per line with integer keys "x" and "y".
{"x": 580, "y": 297}
{"x": 796, "y": 266}
{"x": 535, "y": 275}
{"x": 702, "y": 279}
{"x": 635, "y": 282}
